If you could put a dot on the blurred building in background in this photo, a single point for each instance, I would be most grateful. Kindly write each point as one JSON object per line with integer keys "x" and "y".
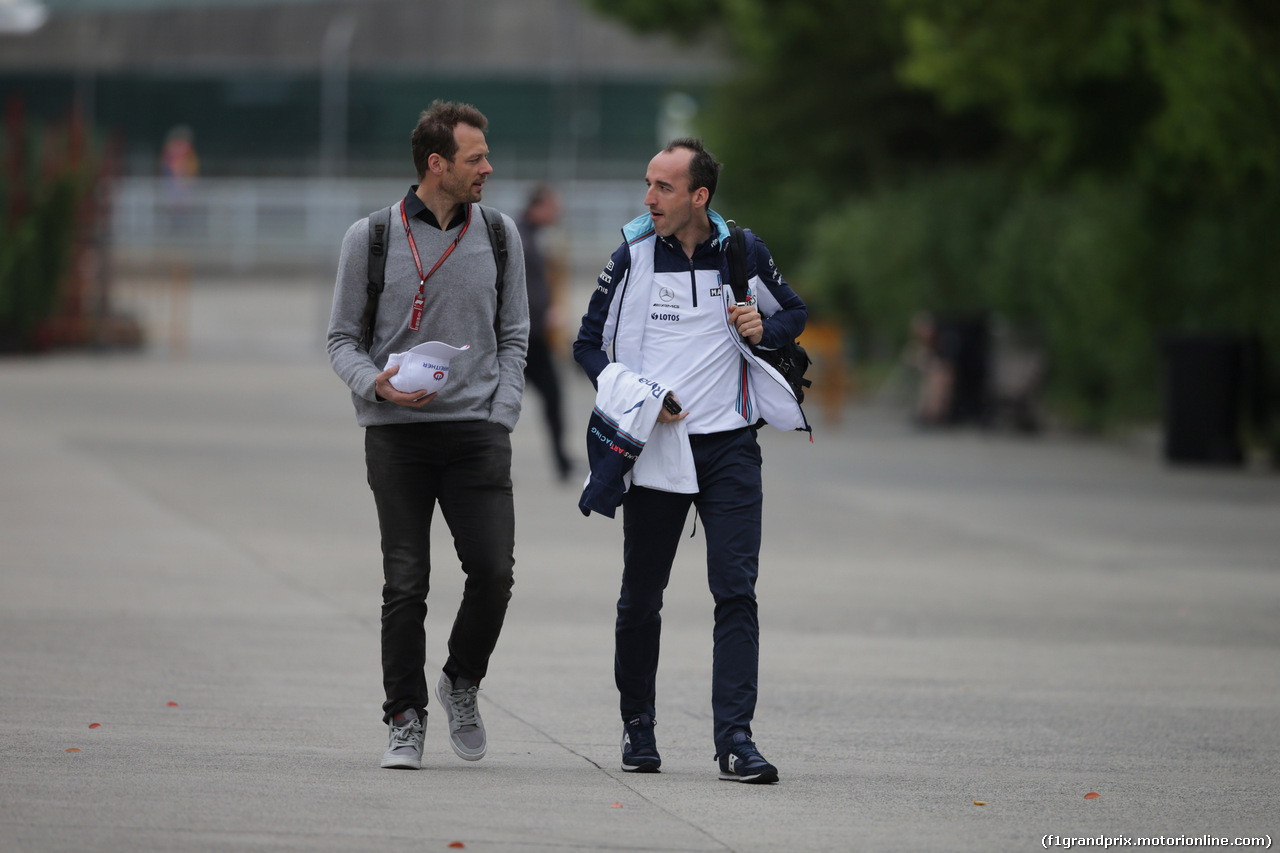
{"x": 298, "y": 113}
{"x": 294, "y": 88}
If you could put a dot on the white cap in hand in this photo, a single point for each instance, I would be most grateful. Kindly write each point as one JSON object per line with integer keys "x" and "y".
{"x": 424, "y": 368}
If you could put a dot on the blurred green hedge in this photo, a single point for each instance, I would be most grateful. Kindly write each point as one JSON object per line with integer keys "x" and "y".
{"x": 48, "y": 174}
{"x": 1098, "y": 273}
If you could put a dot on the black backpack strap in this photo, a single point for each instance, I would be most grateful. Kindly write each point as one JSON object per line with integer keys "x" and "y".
{"x": 737, "y": 254}
{"x": 498, "y": 240}
{"x": 379, "y": 228}
{"x": 790, "y": 359}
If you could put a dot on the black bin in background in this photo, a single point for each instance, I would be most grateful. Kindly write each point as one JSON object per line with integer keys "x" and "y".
{"x": 1207, "y": 380}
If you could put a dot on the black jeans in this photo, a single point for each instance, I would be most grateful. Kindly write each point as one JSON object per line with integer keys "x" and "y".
{"x": 465, "y": 467}
{"x": 729, "y": 501}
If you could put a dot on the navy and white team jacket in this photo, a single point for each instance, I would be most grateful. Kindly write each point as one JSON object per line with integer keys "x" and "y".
{"x": 623, "y": 423}
{"x": 665, "y": 316}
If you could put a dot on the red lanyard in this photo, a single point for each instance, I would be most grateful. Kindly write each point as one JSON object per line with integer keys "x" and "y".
{"x": 415, "y": 321}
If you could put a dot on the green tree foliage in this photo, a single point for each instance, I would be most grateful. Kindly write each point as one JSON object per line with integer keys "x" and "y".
{"x": 815, "y": 112}
{"x": 1071, "y": 265}
{"x": 1102, "y": 173}
{"x": 888, "y": 254}
{"x": 1183, "y": 94}
{"x": 1149, "y": 145}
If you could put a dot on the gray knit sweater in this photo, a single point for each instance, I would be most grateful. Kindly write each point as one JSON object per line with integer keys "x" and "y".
{"x": 487, "y": 381}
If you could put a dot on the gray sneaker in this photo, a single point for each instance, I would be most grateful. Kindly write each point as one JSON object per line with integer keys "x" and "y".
{"x": 404, "y": 748}
{"x": 466, "y": 729}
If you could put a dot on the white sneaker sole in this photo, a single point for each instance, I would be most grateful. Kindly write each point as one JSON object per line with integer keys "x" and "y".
{"x": 397, "y": 762}
{"x": 766, "y": 778}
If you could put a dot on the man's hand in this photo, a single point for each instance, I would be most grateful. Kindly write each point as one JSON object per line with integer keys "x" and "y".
{"x": 385, "y": 390}
{"x": 665, "y": 416}
{"x": 747, "y": 320}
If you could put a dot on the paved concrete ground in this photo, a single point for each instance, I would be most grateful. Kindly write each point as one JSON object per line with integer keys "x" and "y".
{"x": 188, "y": 558}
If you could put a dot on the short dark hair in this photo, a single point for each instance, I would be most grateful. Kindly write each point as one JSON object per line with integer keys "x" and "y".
{"x": 434, "y": 133}
{"x": 704, "y": 168}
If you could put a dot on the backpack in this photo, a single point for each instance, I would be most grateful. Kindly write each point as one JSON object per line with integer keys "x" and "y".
{"x": 790, "y": 359}
{"x": 380, "y": 224}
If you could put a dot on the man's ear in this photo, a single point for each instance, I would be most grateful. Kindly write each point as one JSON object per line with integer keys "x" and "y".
{"x": 701, "y": 196}
{"x": 437, "y": 164}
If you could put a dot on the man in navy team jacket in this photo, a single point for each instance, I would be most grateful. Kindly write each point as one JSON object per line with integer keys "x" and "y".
{"x": 664, "y": 309}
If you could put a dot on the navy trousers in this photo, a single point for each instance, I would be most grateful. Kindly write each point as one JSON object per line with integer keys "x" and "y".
{"x": 465, "y": 468}
{"x": 729, "y": 504}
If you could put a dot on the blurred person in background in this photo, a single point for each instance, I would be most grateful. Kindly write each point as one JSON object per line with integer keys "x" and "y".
{"x": 542, "y": 211}
{"x": 179, "y": 167}
{"x": 451, "y": 447}
{"x": 179, "y": 163}
{"x": 664, "y": 332}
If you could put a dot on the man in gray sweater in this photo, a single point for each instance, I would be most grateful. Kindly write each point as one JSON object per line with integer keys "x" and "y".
{"x": 450, "y": 446}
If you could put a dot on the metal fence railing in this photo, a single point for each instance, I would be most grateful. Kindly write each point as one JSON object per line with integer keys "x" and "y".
{"x": 234, "y": 226}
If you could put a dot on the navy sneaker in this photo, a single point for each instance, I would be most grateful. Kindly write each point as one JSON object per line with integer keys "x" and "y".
{"x": 742, "y": 762}
{"x": 639, "y": 747}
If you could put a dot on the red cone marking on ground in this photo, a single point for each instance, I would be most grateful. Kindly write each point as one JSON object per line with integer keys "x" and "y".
{"x": 95, "y": 725}
{"x": 616, "y": 806}
{"x": 173, "y": 704}
{"x": 979, "y": 802}
{"x": 74, "y": 749}
{"x": 456, "y": 844}
{"x": 1092, "y": 795}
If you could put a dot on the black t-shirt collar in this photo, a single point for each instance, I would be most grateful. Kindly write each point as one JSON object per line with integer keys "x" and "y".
{"x": 414, "y": 207}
